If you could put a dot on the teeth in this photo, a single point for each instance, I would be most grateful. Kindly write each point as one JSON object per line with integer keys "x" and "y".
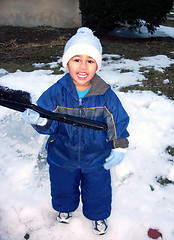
{"x": 82, "y": 74}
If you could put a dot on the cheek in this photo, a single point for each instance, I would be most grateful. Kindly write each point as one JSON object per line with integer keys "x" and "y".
{"x": 93, "y": 71}
{"x": 94, "y": 68}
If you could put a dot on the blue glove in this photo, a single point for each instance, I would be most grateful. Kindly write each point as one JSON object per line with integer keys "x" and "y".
{"x": 33, "y": 117}
{"x": 114, "y": 158}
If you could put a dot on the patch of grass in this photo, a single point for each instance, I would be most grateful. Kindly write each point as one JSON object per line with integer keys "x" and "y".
{"x": 13, "y": 67}
{"x": 27, "y": 67}
{"x": 164, "y": 181}
{"x": 137, "y": 48}
{"x": 170, "y": 150}
{"x": 56, "y": 70}
{"x": 31, "y": 53}
{"x": 115, "y": 58}
{"x": 161, "y": 83}
{"x": 125, "y": 70}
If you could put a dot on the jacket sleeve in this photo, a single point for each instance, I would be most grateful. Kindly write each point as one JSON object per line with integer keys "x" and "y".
{"x": 117, "y": 121}
{"x": 48, "y": 101}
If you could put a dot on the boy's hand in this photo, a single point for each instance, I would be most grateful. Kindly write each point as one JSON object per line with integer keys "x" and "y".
{"x": 33, "y": 117}
{"x": 115, "y": 158}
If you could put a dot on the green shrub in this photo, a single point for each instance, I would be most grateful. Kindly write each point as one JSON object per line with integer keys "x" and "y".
{"x": 105, "y": 15}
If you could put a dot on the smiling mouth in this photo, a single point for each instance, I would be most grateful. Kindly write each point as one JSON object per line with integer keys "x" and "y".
{"x": 82, "y": 75}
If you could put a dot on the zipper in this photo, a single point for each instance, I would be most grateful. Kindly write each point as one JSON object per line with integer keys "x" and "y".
{"x": 80, "y": 130}
{"x": 80, "y": 107}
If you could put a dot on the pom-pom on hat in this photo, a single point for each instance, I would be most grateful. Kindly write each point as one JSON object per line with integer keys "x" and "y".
{"x": 83, "y": 42}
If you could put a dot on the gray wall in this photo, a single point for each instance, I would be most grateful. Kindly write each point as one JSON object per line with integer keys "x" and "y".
{"x": 30, "y": 13}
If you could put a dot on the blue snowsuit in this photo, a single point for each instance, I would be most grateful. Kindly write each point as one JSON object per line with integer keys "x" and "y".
{"x": 76, "y": 155}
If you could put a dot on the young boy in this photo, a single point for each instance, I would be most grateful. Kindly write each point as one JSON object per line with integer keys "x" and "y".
{"x": 80, "y": 158}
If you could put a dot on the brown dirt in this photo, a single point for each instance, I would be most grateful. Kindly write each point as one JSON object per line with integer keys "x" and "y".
{"x": 21, "y": 47}
{"x": 19, "y": 44}
{"x": 44, "y": 44}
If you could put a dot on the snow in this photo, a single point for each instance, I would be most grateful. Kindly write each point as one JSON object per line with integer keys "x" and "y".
{"x": 139, "y": 202}
{"x": 161, "y": 31}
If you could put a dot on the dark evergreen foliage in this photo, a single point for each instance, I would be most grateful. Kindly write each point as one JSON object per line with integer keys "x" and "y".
{"x": 105, "y": 15}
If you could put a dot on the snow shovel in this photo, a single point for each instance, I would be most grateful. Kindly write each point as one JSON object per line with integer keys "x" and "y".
{"x": 20, "y": 100}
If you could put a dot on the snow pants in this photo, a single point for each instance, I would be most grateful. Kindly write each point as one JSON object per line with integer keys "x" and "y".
{"x": 94, "y": 188}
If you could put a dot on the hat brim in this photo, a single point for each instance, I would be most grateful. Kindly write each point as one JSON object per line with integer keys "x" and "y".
{"x": 79, "y": 49}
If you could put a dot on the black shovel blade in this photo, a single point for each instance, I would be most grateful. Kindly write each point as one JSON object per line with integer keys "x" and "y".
{"x": 20, "y": 100}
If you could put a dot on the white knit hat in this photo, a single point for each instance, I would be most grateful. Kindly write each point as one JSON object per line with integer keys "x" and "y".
{"x": 83, "y": 42}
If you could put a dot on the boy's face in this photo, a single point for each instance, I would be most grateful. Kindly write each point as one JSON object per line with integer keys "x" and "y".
{"x": 82, "y": 69}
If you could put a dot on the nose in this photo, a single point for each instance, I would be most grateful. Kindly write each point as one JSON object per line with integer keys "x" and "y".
{"x": 83, "y": 65}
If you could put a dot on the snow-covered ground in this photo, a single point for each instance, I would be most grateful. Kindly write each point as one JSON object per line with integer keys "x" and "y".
{"x": 162, "y": 31}
{"x": 139, "y": 201}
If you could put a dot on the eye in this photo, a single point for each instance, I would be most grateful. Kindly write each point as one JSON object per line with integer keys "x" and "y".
{"x": 76, "y": 60}
{"x": 90, "y": 61}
